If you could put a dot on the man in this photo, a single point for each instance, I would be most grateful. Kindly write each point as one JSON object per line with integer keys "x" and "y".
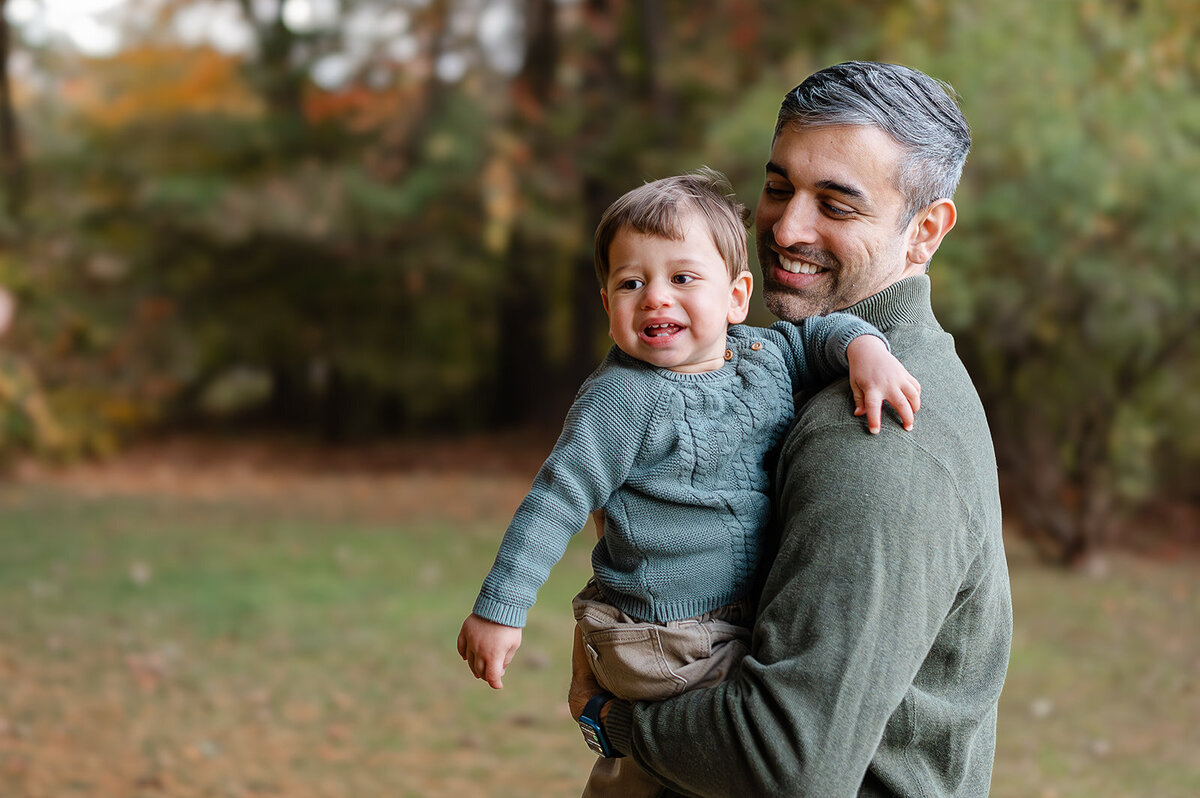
{"x": 883, "y": 627}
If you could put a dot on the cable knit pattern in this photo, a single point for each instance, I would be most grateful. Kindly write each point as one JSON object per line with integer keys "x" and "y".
{"x": 677, "y": 462}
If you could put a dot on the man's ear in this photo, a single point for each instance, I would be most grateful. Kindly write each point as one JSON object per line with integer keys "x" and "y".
{"x": 929, "y": 227}
{"x": 739, "y": 297}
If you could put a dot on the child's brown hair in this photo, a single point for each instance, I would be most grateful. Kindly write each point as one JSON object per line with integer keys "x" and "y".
{"x": 658, "y": 209}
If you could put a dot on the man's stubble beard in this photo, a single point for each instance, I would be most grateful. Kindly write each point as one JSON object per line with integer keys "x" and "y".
{"x": 787, "y": 306}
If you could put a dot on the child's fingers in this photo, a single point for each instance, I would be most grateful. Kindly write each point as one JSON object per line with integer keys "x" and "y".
{"x": 913, "y": 392}
{"x": 897, "y": 397}
{"x": 905, "y": 410}
{"x": 462, "y": 642}
{"x": 858, "y": 399}
{"x": 873, "y": 401}
{"x": 909, "y": 402}
{"x": 492, "y": 673}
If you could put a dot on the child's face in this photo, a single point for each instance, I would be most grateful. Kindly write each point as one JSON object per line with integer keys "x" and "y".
{"x": 669, "y": 302}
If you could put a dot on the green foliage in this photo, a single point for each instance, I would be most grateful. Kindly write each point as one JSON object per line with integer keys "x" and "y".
{"x": 214, "y": 234}
{"x": 1068, "y": 279}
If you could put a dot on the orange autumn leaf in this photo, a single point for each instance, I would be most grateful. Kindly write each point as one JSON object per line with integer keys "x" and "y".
{"x": 158, "y": 81}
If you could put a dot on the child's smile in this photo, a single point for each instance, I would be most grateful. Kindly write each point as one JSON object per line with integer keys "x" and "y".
{"x": 660, "y": 333}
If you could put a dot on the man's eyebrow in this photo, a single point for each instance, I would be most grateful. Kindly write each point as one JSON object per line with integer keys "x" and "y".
{"x": 842, "y": 188}
{"x": 829, "y": 185}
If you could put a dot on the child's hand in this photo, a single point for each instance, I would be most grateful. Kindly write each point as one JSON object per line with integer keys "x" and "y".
{"x": 877, "y": 376}
{"x": 488, "y": 648}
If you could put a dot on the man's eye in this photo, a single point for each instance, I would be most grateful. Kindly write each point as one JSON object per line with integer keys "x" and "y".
{"x": 776, "y": 192}
{"x": 835, "y": 211}
{"x": 682, "y": 279}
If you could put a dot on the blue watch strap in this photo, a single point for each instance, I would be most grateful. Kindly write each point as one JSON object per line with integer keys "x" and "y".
{"x": 592, "y": 708}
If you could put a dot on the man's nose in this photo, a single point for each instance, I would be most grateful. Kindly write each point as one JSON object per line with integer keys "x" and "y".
{"x": 796, "y": 225}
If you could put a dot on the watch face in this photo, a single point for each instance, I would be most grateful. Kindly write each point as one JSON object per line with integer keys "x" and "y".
{"x": 594, "y": 736}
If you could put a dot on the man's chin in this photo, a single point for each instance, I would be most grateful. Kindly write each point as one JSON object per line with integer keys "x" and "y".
{"x": 786, "y": 304}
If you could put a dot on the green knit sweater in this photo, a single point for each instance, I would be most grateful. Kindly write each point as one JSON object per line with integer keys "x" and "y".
{"x": 882, "y": 637}
{"x": 677, "y": 463}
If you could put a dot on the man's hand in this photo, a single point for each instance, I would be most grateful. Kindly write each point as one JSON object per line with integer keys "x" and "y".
{"x": 488, "y": 648}
{"x": 877, "y": 376}
{"x": 583, "y": 683}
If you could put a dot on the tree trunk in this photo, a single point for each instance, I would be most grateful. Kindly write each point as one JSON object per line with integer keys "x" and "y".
{"x": 525, "y": 389}
{"x": 12, "y": 170}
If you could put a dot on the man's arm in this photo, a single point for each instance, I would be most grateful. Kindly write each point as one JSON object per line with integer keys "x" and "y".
{"x": 869, "y": 565}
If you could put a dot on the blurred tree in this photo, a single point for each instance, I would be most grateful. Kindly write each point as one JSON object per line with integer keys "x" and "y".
{"x": 1069, "y": 279}
{"x": 523, "y": 293}
{"x": 12, "y": 171}
{"x": 379, "y": 220}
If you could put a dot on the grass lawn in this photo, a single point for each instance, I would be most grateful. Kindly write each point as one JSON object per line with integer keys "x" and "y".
{"x": 299, "y": 641}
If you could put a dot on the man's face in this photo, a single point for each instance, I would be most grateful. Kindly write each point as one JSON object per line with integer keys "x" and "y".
{"x": 828, "y": 221}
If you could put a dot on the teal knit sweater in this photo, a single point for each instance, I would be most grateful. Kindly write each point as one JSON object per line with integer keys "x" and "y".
{"x": 678, "y": 464}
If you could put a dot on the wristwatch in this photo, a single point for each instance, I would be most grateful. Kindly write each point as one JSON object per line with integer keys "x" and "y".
{"x": 593, "y": 732}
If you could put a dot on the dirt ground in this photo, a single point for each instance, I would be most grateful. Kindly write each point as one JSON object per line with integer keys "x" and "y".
{"x": 403, "y": 479}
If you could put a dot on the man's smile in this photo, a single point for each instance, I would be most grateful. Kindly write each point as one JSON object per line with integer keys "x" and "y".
{"x": 799, "y": 266}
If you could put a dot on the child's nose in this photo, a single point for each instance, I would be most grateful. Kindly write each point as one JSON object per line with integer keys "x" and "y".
{"x": 656, "y": 295}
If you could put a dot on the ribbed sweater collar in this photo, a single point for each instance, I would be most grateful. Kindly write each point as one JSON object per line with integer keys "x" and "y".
{"x": 905, "y": 302}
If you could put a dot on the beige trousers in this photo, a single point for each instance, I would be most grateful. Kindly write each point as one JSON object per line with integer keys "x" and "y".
{"x": 644, "y": 661}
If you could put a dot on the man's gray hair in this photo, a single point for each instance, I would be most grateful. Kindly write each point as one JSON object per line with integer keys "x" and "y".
{"x": 920, "y": 113}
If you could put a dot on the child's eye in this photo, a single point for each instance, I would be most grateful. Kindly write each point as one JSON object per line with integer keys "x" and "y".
{"x": 631, "y": 284}
{"x": 682, "y": 279}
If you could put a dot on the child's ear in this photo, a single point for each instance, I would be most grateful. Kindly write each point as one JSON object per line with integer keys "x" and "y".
{"x": 604, "y": 299}
{"x": 739, "y": 297}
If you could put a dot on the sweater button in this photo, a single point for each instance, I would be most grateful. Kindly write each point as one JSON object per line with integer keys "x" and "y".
{"x": 757, "y": 345}
{"x": 729, "y": 354}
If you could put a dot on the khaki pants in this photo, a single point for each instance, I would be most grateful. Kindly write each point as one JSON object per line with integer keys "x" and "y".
{"x": 643, "y": 661}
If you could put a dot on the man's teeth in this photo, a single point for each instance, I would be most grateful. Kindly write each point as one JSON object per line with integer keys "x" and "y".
{"x": 798, "y": 266}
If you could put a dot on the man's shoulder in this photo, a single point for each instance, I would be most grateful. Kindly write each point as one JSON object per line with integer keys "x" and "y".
{"x": 951, "y": 415}
{"x": 947, "y": 460}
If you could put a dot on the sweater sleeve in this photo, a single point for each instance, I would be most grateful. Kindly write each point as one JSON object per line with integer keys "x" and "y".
{"x": 815, "y": 348}
{"x": 868, "y": 569}
{"x": 600, "y": 440}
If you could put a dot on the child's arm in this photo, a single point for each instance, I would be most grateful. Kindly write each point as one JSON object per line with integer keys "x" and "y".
{"x": 819, "y": 349}
{"x": 488, "y": 648}
{"x": 877, "y": 376}
{"x": 601, "y": 438}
